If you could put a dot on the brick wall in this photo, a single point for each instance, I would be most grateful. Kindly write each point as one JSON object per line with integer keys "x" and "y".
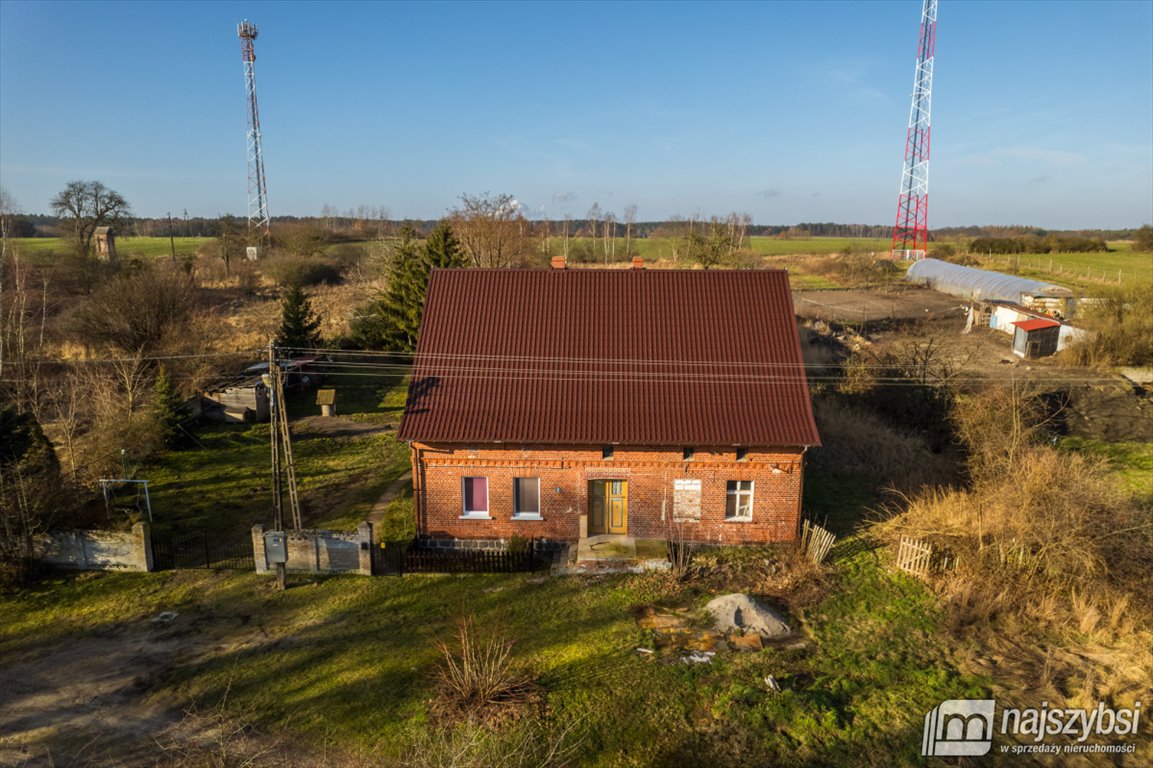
{"x": 564, "y": 474}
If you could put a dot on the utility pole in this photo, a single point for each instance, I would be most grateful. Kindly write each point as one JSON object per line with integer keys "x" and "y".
{"x": 274, "y": 432}
{"x": 171, "y": 239}
{"x": 289, "y": 463}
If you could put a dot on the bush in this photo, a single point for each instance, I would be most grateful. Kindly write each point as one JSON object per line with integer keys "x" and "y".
{"x": 135, "y": 313}
{"x": 1121, "y": 330}
{"x": 287, "y": 270}
{"x": 478, "y": 678}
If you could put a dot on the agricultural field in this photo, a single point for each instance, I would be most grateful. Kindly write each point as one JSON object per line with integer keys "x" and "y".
{"x": 1087, "y": 272}
{"x": 37, "y": 248}
{"x": 664, "y": 248}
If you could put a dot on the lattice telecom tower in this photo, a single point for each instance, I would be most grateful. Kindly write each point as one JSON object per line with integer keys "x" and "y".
{"x": 257, "y": 193}
{"x": 911, "y": 232}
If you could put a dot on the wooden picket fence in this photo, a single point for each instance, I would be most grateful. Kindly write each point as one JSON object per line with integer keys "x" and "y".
{"x": 816, "y": 541}
{"x": 915, "y": 556}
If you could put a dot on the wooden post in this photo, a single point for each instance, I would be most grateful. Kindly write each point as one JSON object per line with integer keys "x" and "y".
{"x": 274, "y": 431}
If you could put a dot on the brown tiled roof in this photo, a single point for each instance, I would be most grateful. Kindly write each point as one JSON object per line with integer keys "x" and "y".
{"x": 591, "y": 357}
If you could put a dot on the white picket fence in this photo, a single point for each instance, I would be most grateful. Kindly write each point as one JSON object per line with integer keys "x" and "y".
{"x": 915, "y": 557}
{"x": 816, "y": 541}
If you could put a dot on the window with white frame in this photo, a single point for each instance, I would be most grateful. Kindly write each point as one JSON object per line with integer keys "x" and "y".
{"x": 526, "y": 498}
{"x": 686, "y": 500}
{"x": 474, "y": 490}
{"x": 739, "y": 501}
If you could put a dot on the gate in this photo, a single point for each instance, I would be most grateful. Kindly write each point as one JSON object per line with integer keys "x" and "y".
{"x": 202, "y": 549}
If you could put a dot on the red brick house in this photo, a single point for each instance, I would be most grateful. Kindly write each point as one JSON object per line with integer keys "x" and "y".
{"x": 557, "y": 404}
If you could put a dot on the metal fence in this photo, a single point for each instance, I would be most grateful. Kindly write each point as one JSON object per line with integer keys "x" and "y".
{"x": 202, "y": 549}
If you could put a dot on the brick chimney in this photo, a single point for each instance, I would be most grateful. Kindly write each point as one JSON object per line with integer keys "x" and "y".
{"x": 638, "y": 262}
{"x": 558, "y": 262}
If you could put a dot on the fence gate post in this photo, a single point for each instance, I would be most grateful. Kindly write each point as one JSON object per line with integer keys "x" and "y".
{"x": 142, "y": 546}
{"x": 259, "y": 558}
{"x": 364, "y": 548}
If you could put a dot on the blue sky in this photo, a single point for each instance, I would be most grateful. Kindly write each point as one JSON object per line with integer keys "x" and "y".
{"x": 1042, "y": 111}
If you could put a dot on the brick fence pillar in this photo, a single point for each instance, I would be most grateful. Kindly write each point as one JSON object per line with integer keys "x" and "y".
{"x": 364, "y": 542}
{"x": 258, "y": 554}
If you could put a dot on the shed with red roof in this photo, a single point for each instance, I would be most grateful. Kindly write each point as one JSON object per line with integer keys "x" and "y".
{"x": 1036, "y": 337}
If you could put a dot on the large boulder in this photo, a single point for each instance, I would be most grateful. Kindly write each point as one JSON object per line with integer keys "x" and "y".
{"x": 741, "y": 613}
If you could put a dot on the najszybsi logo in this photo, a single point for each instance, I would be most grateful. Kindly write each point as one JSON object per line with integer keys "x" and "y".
{"x": 964, "y": 727}
{"x": 959, "y": 727}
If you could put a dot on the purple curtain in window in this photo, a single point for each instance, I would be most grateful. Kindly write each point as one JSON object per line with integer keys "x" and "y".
{"x": 476, "y": 494}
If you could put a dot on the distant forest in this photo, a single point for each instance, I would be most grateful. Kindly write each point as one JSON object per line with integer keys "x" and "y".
{"x": 363, "y": 226}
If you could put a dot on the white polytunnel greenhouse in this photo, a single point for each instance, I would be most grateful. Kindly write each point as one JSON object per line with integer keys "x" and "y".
{"x": 981, "y": 284}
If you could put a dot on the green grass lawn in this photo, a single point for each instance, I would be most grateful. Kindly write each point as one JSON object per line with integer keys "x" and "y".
{"x": 349, "y": 661}
{"x": 1131, "y": 462}
{"x": 222, "y": 482}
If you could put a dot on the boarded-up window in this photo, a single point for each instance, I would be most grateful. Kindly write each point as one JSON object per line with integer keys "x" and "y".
{"x": 686, "y": 500}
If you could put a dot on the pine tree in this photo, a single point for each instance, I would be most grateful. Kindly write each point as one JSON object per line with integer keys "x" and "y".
{"x": 169, "y": 409}
{"x": 392, "y": 320}
{"x": 298, "y": 326}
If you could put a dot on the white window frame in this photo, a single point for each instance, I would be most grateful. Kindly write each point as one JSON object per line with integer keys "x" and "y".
{"x": 738, "y": 493}
{"x": 516, "y": 513}
{"x": 467, "y": 514}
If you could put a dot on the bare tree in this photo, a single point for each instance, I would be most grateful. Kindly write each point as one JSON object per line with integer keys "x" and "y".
{"x": 84, "y": 206}
{"x": 738, "y": 228}
{"x": 23, "y": 318}
{"x": 136, "y": 313}
{"x": 567, "y": 222}
{"x": 594, "y": 216}
{"x": 7, "y": 211}
{"x": 229, "y": 241}
{"x": 491, "y": 229}
{"x": 610, "y": 239}
{"x": 630, "y": 219}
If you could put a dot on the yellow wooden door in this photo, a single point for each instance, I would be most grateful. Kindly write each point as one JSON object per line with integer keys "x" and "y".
{"x": 617, "y": 492}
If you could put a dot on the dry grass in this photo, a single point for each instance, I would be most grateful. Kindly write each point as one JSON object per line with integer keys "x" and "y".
{"x": 854, "y": 440}
{"x": 1122, "y": 330}
{"x": 1049, "y": 555}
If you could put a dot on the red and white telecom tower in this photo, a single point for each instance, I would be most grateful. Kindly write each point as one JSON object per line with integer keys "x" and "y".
{"x": 911, "y": 232}
{"x": 258, "y": 223}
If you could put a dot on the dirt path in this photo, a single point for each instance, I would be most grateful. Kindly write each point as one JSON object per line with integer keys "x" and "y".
{"x": 394, "y": 489}
{"x": 98, "y": 698}
{"x": 335, "y": 426}
{"x": 864, "y": 305}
